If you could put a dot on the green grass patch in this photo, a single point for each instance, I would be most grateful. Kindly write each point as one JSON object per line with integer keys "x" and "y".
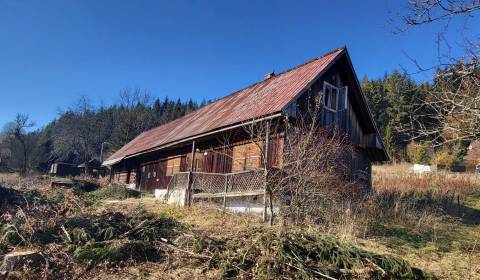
{"x": 115, "y": 251}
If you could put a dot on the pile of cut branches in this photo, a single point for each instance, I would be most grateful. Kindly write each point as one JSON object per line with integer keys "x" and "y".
{"x": 297, "y": 255}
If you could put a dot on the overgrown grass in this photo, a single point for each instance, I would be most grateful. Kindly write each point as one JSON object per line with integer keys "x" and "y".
{"x": 433, "y": 220}
{"x": 399, "y": 178}
{"x": 398, "y": 232}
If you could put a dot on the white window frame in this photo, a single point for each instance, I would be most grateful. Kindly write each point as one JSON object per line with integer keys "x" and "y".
{"x": 337, "y": 99}
{"x": 346, "y": 97}
{"x": 326, "y": 106}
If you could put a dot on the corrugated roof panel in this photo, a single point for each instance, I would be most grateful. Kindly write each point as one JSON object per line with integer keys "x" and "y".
{"x": 263, "y": 98}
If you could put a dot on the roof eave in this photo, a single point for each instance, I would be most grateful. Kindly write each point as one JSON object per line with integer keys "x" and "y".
{"x": 195, "y": 137}
{"x": 387, "y": 156}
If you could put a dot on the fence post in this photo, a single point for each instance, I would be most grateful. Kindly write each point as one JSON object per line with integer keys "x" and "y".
{"x": 225, "y": 193}
{"x": 190, "y": 175}
{"x": 189, "y": 188}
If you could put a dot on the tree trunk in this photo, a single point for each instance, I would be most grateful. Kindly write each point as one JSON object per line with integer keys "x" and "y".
{"x": 25, "y": 159}
{"x": 270, "y": 198}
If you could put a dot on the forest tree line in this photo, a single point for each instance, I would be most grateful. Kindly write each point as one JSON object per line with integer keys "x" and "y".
{"x": 427, "y": 122}
{"x": 77, "y": 134}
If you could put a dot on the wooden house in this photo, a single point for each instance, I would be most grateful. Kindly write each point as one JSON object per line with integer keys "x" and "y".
{"x": 193, "y": 143}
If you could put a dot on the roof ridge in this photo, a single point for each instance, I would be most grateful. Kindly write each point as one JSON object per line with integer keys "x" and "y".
{"x": 312, "y": 60}
{"x": 226, "y": 99}
{"x": 283, "y": 72}
{"x": 259, "y": 82}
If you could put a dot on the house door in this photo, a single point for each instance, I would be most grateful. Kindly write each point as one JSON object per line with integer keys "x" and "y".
{"x": 153, "y": 176}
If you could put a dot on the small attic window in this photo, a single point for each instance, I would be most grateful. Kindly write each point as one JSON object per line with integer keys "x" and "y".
{"x": 292, "y": 110}
{"x": 334, "y": 98}
{"x": 330, "y": 99}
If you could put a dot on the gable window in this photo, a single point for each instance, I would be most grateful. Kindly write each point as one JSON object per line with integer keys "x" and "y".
{"x": 335, "y": 99}
{"x": 292, "y": 110}
{"x": 330, "y": 97}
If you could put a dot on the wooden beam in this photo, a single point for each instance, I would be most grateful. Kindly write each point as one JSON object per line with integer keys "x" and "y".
{"x": 190, "y": 176}
{"x": 192, "y": 161}
{"x": 265, "y": 165}
{"x": 228, "y": 194}
{"x": 225, "y": 192}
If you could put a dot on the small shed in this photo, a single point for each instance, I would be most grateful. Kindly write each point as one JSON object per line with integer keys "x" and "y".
{"x": 93, "y": 168}
{"x": 64, "y": 169}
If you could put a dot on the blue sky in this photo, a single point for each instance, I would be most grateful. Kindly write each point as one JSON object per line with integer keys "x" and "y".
{"x": 52, "y": 52}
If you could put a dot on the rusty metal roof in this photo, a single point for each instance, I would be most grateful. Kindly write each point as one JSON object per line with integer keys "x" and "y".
{"x": 260, "y": 99}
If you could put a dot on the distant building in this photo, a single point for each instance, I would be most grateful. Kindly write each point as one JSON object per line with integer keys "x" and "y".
{"x": 63, "y": 169}
{"x": 472, "y": 158}
{"x": 92, "y": 168}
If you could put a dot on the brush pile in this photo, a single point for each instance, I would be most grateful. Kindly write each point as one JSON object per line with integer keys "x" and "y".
{"x": 297, "y": 255}
{"x": 60, "y": 224}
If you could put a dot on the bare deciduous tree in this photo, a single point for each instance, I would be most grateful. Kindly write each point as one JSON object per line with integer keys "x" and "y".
{"x": 134, "y": 116}
{"x": 428, "y": 11}
{"x": 450, "y": 110}
{"x": 314, "y": 163}
{"x": 17, "y": 131}
{"x": 451, "y": 107}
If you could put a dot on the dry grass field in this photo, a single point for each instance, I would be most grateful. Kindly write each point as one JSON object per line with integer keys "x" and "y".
{"x": 444, "y": 240}
{"x": 9, "y": 178}
{"x": 431, "y": 221}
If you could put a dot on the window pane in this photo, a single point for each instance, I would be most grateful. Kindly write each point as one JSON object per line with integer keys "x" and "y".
{"x": 341, "y": 100}
{"x": 334, "y": 99}
{"x": 327, "y": 95}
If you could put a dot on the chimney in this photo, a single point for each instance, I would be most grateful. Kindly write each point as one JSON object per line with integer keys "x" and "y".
{"x": 269, "y": 75}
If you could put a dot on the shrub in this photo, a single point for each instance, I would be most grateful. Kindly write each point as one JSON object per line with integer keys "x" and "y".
{"x": 418, "y": 153}
{"x": 111, "y": 192}
{"x": 443, "y": 158}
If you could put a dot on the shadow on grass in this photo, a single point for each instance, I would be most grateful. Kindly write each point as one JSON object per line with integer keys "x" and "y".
{"x": 466, "y": 215}
{"x": 468, "y": 211}
{"x": 396, "y": 236}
